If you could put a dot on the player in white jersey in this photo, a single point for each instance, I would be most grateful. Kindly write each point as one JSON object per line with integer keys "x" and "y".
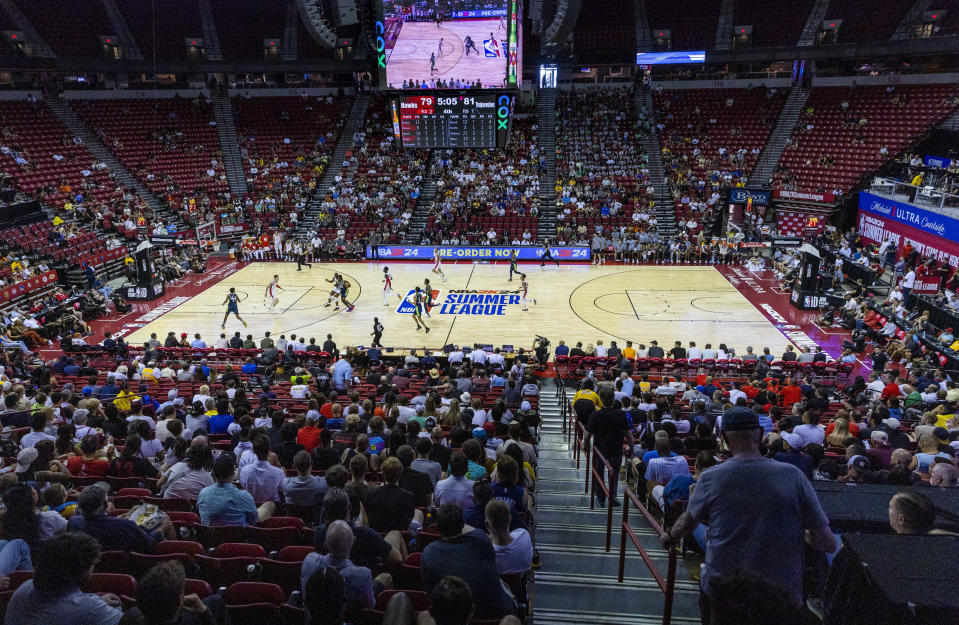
{"x": 272, "y": 294}
{"x": 388, "y": 287}
{"x": 524, "y": 290}
{"x": 437, "y": 264}
{"x": 334, "y": 296}
{"x": 278, "y": 244}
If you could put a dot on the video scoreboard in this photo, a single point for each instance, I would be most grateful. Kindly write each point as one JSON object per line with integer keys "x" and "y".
{"x": 465, "y": 119}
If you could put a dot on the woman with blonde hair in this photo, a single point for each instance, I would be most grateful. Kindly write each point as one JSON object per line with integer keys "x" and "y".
{"x": 839, "y": 433}
{"x": 452, "y": 415}
{"x": 429, "y": 409}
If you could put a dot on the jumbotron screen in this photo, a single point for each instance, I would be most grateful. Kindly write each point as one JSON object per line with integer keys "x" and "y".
{"x": 450, "y": 44}
{"x": 467, "y": 119}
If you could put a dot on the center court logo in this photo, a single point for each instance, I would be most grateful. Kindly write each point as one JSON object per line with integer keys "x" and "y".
{"x": 407, "y": 307}
{"x": 468, "y": 302}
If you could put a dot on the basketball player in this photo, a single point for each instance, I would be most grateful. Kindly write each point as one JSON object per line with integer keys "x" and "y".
{"x": 432, "y": 64}
{"x": 439, "y": 48}
{"x": 427, "y": 296}
{"x": 437, "y": 262}
{"x": 335, "y": 291}
{"x": 417, "y": 300}
{"x": 344, "y": 291}
{"x": 388, "y": 287}
{"x": 513, "y": 257}
{"x": 470, "y": 45}
{"x": 524, "y": 290}
{"x": 301, "y": 257}
{"x": 231, "y": 301}
{"x": 278, "y": 244}
{"x": 547, "y": 254}
{"x": 502, "y": 24}
{"x": 271, "y": 294}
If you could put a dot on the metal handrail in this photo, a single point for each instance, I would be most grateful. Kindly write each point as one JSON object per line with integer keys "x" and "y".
{"x": 667, "y": 585}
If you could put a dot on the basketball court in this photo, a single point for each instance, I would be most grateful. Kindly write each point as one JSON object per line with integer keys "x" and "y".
{"x": 477, "y": 304}
{"x": 410, "y": 56}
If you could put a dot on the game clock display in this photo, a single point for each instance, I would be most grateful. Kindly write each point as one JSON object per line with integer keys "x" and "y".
{"x": 453, "y": 120}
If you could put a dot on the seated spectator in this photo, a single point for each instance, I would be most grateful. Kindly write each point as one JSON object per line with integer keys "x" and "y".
{"x": 114, "y": 532}
{"x": 456, "y": 489}
{"x": 369, "y": 548}
{"x": 130, "y": 463}
{"x": 189, "y": 476}
{"x": 358, "y": 584}
{"x": 91, "y": 460}
{"x": 223, "y": 503}
{"x": 912, "y": 513}
{"x": 469, "y": 556}
{"x": 389, "y": 507}
{"x": 160, "y": 601}
{"x": 53, "y": 596}
{"x": 514, "y": 549}
{"x": 304, "y": 490}
{"x": 262, "y": 479}
{"x": 24, "y": 523}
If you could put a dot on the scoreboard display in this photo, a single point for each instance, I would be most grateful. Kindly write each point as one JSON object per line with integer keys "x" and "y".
{"x": 469, "y": 119}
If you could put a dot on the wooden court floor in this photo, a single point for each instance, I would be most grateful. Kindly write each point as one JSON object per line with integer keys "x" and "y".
{"x": 478, "y": 304}
{"x": 410, "y": 57}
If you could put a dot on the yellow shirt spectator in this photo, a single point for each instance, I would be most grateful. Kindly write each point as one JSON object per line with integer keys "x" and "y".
{"x": 590, "y": 395}
{"x": 629, "y": 353}
{"x": 57, "y": 221}
{"x": 124, "y": 400}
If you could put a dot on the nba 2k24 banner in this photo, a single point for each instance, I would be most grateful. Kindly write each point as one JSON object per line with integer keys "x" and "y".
{"x": 447, "y": 252}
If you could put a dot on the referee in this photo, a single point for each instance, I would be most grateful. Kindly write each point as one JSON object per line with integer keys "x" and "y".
{"x": 301, "y": 257}
{"x": 547, "y": 254}
{"x": 377, "y": 333}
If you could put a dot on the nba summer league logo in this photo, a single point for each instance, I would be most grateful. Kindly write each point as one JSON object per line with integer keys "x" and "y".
{"x": 465, "y": 302}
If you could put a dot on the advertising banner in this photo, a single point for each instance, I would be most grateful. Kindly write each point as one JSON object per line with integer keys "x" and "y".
{"x": 937, "y": 161}
{"x": 448, "y": 252}
{"x": 876, "y": 229}
{"x": 920, "y": 219}
{"x": 741, "y": 196}
{"x": 804, "y": 196}
{"x": 29, "y": 285}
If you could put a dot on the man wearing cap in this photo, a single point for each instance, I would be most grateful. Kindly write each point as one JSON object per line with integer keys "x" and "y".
{"x": 857, "y": 470}
{"x": 759, "y": 513}
{"x": 792, "y": 453}
{"x": 880, "y": 451}
{"x": 897, "y": 438}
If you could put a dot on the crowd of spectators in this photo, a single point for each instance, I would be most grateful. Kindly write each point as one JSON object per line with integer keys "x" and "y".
{"x": 381, "y": 460}
{"x": 488, "y": 196}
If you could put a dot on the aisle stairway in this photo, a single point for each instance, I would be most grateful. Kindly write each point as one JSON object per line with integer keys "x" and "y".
{"x": 92, "y": 143}
{"x": 577, "y": 582}
{"x": 424, "y": 204}
{"x": 665, "y": 213}
{"x": 776, "y": 143}
{"x": 546, "y": 138}
{"x": 229, "y": 145}
{"x": 343, "y": 143}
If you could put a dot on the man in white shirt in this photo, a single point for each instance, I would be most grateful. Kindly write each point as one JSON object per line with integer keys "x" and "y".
{"x": 478, "y": 356}
{"x": 876, "y": 385}
{"x": 735, "y": 393}
{"x": 300, "y": 391}
{"x": 693, "y": 351}
{"x": 601, "y": 350}
{"x": 514, "y": 550}
{"x": 908, "y": 281}
{"x": 456, "y": 356}
{"x": 261, "y": 479}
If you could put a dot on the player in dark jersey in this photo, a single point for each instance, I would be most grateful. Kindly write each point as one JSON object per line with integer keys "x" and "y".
{"x": 547, "y": 254}
{"x": 513, "y": 257}
{"x": 417, "y": 300}
{"x": 427, "y": 296}
{"x": 232, "y": 306}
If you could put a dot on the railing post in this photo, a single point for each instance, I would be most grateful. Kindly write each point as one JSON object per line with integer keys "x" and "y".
{"x": 670, "y": 587}
{"x": 609, "y": 506}
{"x": 589, "y": 472}
{"x": 622, "y": 538}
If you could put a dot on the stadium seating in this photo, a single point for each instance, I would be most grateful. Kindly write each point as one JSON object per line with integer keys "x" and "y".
{"x": 708, "y": 121}
{"x": 894, "y": 119}
{"x": 692, "y": 22}
{"x": 71, "y": 27}
{"x": 54, "y": 161}
{"x": 286, "y": 143}
{"x": 376, "y": 181}
{"x": 477, "y": 183}
{"x": 169, "y": 143}
{"x": 599, "y": 160}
